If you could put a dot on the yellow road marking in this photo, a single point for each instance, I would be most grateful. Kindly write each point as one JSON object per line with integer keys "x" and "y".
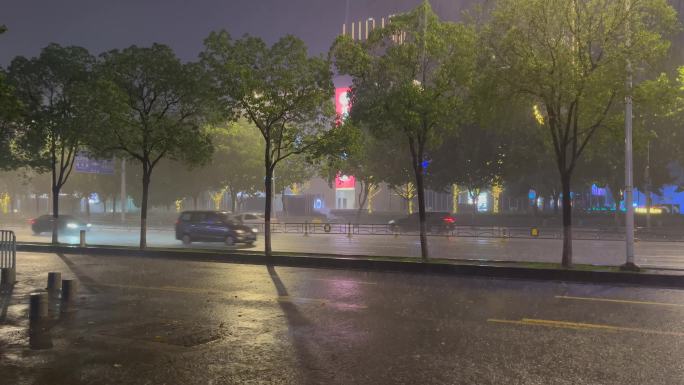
{"x": 619, "y": 301}
{"x": 582, "y": 326}
{"x": 520, "y": 322}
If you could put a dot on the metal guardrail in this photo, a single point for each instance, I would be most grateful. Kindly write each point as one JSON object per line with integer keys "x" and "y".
{"x": 351, "y": 229}
{"x": 8, "y": 257}
{"x": 8, "y": 249}
{"x": 523, "y": 232}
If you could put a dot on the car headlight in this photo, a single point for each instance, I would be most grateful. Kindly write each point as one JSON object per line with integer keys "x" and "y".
{"x": 391, "y": 222}
{"x": 255, "y": 230}
{"x": 239, "y": 231}
{"x": 88, "y": 225}
{"x": 71, "y": 225}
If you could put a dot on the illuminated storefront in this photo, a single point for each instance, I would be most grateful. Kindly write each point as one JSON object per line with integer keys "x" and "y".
{"x": 345, "y": 192}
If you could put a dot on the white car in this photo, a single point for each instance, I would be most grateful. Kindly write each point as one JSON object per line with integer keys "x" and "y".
{"x": 252, "y": 219}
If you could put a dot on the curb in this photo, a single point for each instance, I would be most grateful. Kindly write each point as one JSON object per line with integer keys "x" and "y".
{"x": 459, "y": 268}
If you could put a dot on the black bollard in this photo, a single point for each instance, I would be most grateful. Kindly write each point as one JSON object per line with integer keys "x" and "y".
{"x": 69, "y": 290}
{"x": 54, "y": 282}
{"x": 38, "y": 309}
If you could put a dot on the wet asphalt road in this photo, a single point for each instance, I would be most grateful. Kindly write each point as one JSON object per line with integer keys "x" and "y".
{"x": 157, "y": 321}
{"x": 601, "y": 252}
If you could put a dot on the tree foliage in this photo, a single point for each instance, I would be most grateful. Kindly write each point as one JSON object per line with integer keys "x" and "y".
{"x": 411, "y": 82}
{"x": 285, "y": 93}
{"x": 152, "y": 107}
{"x": 53, "y": 89}
{"x": 570, "y": 59}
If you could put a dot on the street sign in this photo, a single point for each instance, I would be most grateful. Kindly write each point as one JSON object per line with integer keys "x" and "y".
{"x": 87, "y": 165}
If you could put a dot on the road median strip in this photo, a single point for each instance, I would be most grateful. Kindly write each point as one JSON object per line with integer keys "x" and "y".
{"x": 444, "y": 266}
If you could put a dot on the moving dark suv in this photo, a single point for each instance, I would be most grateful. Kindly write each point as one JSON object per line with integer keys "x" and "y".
{"x": 212, "y": 226}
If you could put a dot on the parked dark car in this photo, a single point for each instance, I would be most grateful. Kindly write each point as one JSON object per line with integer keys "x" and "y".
{"x": 435, "y": 221}
{"x": 212, "y": 226}
{"x": 65, "y": 224}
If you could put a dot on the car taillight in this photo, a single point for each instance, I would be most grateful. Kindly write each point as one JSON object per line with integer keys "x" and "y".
{"x": 32, "y": 221}
{"x": 449, "y": 219}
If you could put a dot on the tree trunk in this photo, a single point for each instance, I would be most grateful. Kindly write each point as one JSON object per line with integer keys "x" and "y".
{"x": 421, "y": 212}
{"x": 409, "y": 203}
{"x": 233, "y": 200}
{"x": 535, "y": 203}
{"x": 143, "y": 205}
{"x": 87, "y": 204}
{"x": 555, "y": 204}
{"x": 567, "y": 220}
{"x": 104, "y": 206}
{"x": 417, "y": 159}
{"x": 268, "y": 187}
{"x": 55, "y": 214}
{"x": 363, "y": 196}
{"x": 55, "y": 192}
{"x": 616, "y": 198}
{"x": 267, "y": 207}
{"x": 475, "y": 198}
{"x": 648, "y": 208}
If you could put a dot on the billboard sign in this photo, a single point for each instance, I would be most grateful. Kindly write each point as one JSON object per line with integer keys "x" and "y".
{"x": 87, "y": 165}
{"x": 344, "y": 182}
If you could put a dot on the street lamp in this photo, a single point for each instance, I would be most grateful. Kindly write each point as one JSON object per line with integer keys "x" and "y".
{"x": 629, "y": 196}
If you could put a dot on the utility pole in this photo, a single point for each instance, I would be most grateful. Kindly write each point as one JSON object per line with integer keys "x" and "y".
{"x": 629, "y": 183}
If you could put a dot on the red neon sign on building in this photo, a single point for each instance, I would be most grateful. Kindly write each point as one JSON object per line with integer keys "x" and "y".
{"x": 342, "y": 108}
{"x": 345, "y": 181}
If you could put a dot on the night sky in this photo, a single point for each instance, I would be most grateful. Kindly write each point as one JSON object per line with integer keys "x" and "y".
{"x": 100, "y": 25}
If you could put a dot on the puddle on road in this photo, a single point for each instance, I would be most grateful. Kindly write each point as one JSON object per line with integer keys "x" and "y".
{"x": 36, "y": 337}
{"x": 173, "y": 333}
{"x": 13, "y": 336}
